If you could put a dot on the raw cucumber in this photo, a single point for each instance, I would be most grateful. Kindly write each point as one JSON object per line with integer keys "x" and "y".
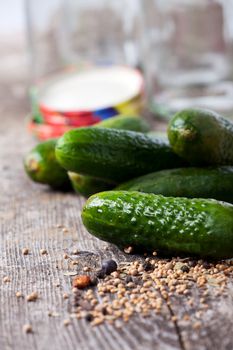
{"x": 41, "y": 166}
{"x": 202, "y": 137}
{"x": 211, "y": 182}
{"x": 148, "y": 222}
{"x": 88, "y": 185}
{"x": 125, "y": 122}
{"x": 115, "y": 155}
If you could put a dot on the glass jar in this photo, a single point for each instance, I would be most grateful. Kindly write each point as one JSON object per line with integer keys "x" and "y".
{"x": 188, "y": 50}
{"x": 83, "y": 59}
{"x": 64, "y": 33}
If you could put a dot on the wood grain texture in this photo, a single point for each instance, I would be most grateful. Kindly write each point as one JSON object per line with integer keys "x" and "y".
{"x": 29, "y": 215}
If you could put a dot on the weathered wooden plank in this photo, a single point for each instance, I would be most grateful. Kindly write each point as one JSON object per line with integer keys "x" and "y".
{"x": 216, "y": 321}
{"x": 29, "y": 217}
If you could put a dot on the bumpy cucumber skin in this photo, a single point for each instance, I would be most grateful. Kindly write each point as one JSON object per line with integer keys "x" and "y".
{"x": 202, "y": 137}
{"x": 216, "y": 183}
{"x": 42, "y": 167}
{"x": 158, "y": 135}
{"x": 125, "y": 122}
{"x": 88, "y": 185}
{"x": 116, "y": 155}
{"x": 148, "y": 222}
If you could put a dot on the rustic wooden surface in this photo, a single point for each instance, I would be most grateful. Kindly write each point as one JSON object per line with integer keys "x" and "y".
{"x": 29, "y": 215}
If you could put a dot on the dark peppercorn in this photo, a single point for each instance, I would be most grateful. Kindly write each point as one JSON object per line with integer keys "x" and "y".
{"x": 109, "y": 266}
{"x": 192, "y": 263}
{"x": 184, "y": 268}
{"x": 104, "y": 311}
{"x": 100, "y": 274}
{"x": 94, "y": 281}
{"x": 128, "y": 279}
{"x": 206, "y": 265}
{"x": 89, "y": 317}
{"x": 147, "y": 266}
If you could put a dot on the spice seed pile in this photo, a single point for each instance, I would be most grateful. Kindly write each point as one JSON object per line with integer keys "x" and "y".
{"x": 147, "y": 287}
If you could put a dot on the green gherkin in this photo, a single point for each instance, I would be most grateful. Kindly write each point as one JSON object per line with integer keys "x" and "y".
{"x": 41, "y": 166}
{"x": 88, "y": 185}
{"x": 202, "y": 137}
{"x": 210, "y": 182}
{"x": 149, "y": 222}
{"x": 115, "y": 155}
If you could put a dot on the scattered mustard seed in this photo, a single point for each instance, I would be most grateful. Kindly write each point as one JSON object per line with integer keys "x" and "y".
{"x": 6, "y": 279}
{"x": 25, "y": 251}
{"x": 66, "y": 322}
{"x": 18, "y": 295}
{"x": 145, "y": 286}
{"x": 86, "y": 268}
{"x": 197, "y": 325}
{"x": 27, "y": 328}
{"x": 186, "y": 317}
{"x": 128, "y": 250}
{"x": 32, "y": 297}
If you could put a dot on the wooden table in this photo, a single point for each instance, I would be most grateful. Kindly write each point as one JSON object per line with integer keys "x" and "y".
{"x": 29, "y": 217}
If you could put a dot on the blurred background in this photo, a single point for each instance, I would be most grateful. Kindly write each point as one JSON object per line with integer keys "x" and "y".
{"x": 63, "y": 60}
{"x": 14, "y": 60}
